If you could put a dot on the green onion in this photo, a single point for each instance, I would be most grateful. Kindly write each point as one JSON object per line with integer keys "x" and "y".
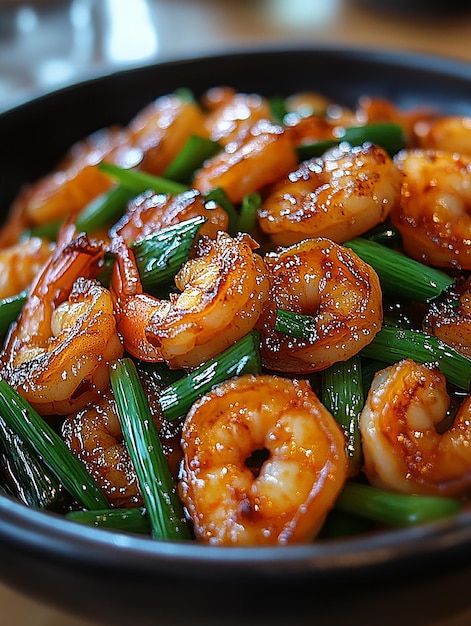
{"x": 159, "y": 256}
{"x": 296, "y": 324}
{"x": 243, "y": 357}
{"x": 48, "y": 231}
{"x": 30, "y": 426}
{"x": 134, "y": 520}
{"x": 342, "y": 395}
{"x": 400, "y": 274}
{"x": 192, "y": 156}
{"x": 139, "y": 182}
{"x": 219, "y": 196}
{"x": 392, "y": 344}
{"x": 388, "y": 135}
{"x": 394, "y": 509}
{"x": 104, "y": 210}
{"x": 248, "y": 213}
{"x": 10, "y": 308}
{"x": 278, "y": 108}
{"x": 155, "y": 480}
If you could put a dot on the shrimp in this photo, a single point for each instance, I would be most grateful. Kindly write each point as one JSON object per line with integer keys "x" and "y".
{"x": 242, "y": 168}
{"x": 56, "y": 354}
{"x": 406, "y": 446}
{"x": 451, "y": 133}
{"x": 433, "y": 215}
{"x": 285, "y": 498}
{"x": 449, "y": 317}
{"x": 223, "y": 291}
{"x": 20, "y": 262}
{"x": 339, "y": 290}
{"x": 161, "y": 129}
{"x": 76, "y": 180}
{"x": 231, "y": 114}
{"x": 340, "y": 196}
{"x": 94, "y": 435}
{"x": 150, "y": 212}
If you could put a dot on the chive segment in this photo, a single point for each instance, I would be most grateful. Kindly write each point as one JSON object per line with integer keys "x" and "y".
{"x": 20, "y": 416}
{"x": 394, "y": 509}
{"x": 10, "y": 308}
{"x": 155, "y": 480}
{"x": 139, "y": 182}
{"x": 192, "y": 156}
{"x": 247, "y": 219}
{"x": 131, "y": 520}
{"x": 104, "y": 210}
{"x": 342, "y": 394}
{"x": 243, "y": 357}
{"x": 398, "y": 273}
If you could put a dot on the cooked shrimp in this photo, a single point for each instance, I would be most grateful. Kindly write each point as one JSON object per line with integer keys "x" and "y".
{"x": 449, "y": 317}
{"x": 433, "y": 216}
{"x": 161, "y": 129}
{"x": 286, "y": 498}
{"x": 150, "y": 212}
{"x": 267, "y": 154}
{"x": 75, "y": 182}
{"x": 20, "y": 262}
{"x": 340, "y": 196}
{"x": 339, "y": 290}
{"x": 450, "y": 133}
{"x": 56, "y": 354}
{"x": 231, "y": 114}
{"x": 405, "y": 446}
{"x": 223, "y": 290}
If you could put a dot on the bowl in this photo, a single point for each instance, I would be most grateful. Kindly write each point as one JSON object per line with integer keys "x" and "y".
{"x": 113, "y": 578}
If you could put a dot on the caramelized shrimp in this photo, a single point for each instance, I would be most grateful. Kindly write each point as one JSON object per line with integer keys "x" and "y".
{"x": 150, "y": 212}
{"x": 450, "y": 133}
{"x": 406, "y": 446}
{"x": 342, "y": 293}
{"x": 222, "y": 292}
{"x": 285, "y": 498}
{"x": 433, "y": 216}
{"x": 56, "y": 354}
{"x": 449, "y": 317}
{"x": 340, "y": 196}
{"x": 20, "y": 262}
{"x": 242, "y": 168}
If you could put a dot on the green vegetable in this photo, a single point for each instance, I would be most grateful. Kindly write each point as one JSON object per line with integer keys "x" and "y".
{"x": 155, "y": 480}
{"x": 139, "y": 182}
{"x": 243, "y": 357}
{"x": 10, "y": 308}
{"x": 192, "y": 156}
{"x": 133, "y": 520}
{"x": 30, "y": 426}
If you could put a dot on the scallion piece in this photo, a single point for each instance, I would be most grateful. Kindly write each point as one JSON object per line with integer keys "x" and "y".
{"x": 243, "y": 357}
{"x": 192, "y": 156}
{"x": 342, "y": 395}
{"x": 104, "y": 210}
{"x": 139, "y": 182}
{"x": 48, "y": 231}
{"x": 390, "y": 136}
{"x": 392, "y": 344}
{"x": 296, "y": 324}
{"x": 394, "y": 509}
{"x": 155, "y": 480}
{"x": 398, "y": 273}
{"x": 20, "y": 416}
{"x": 134, "y": 520}
{"x": 248, "y": 213}
{"x": 159, "y": 256}
{"x": 10, "y": 308}
{"x": 219, "y": 196}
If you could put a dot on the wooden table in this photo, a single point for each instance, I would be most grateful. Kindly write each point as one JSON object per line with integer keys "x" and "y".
{"x": 191, "y": 28}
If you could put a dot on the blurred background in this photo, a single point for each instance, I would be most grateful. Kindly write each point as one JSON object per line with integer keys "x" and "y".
{"x": 48, "y": 44}
{"x": 45, "y": 44}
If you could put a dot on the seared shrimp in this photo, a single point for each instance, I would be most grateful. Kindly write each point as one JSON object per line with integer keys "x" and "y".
{"x": 223, "y": 290}
{"x": 405, "y": 446}
{"x": 339, "y": 196}
{"x": 449, "y": 317}
{"x": 56, "y": 354}
{"x": 451, "y": 133}
{"x": 20, "y": 262}
{"x": 267, "y": 154}
{"x": 150, "y": 212}
{"x": 433, "y": 216}
{"x": 339, "y": 290}
{"x": 285, "y": 498}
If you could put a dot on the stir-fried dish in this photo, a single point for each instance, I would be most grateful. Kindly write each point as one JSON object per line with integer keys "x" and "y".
{"x": 243, "y": 320}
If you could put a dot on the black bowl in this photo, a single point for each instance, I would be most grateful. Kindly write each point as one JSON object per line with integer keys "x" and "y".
{"x": 415, "y": 575}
